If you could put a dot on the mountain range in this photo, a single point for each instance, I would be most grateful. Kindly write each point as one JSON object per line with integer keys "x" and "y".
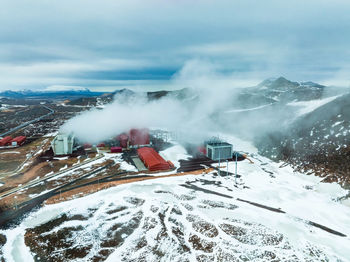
{"x": 303, "y": 123}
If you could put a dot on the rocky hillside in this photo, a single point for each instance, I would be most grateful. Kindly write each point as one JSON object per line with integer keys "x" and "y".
{"x": 305, "y": 124}
{"x": 316, "y": 141}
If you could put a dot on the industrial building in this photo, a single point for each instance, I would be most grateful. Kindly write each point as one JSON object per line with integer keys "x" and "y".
{"x": 116, "y": 149}
{"x": 135, "y": 138}
{"x": 63, "y": 144}
{"x": 152, "y": 160}
{"x": 6, "y": 141}
{"x": 219, "y": 150}
{"x": 18, "y": 141}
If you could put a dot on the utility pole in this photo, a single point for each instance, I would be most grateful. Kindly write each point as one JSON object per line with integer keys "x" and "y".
{"x": 219, "y": 163}
{"x": 227, "y": 167}
{"x": 236, "y": 167}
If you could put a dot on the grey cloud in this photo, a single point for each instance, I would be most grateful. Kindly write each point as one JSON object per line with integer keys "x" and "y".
{"x": 65, "y": 42}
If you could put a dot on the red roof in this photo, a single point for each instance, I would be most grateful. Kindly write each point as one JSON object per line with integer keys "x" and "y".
{"x": 20, "y": 140}
{"x": 116, "y": 149}
{"x": 152, "y": 160}
{"x": 5, "y": 141}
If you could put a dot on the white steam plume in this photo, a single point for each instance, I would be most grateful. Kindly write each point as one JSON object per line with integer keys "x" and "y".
{"x": 193, "y": 117}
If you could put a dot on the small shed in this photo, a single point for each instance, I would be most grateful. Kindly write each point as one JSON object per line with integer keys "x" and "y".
{"x": 116, "y": 149}
{"x": 152, "y": 160}
{"x": 219, "y": 151}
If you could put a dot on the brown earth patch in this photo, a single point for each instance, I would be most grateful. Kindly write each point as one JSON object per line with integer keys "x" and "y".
{"x": 205, "y": 228}
{"x": 201, "y": 244}
{"x": 85, "y": 190}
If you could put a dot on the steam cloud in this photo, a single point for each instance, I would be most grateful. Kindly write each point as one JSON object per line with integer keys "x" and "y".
{"x": 214, "y": 104}
{"x": 193, "y": 117}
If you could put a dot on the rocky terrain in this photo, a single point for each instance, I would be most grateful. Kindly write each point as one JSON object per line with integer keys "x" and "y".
{"x": 281, "y": 209}
{"x": 304, "y": 124}
{"x": 317, "y": 141}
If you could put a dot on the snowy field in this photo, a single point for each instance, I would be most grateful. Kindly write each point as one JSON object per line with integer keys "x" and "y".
{"x": 194, "y": 218}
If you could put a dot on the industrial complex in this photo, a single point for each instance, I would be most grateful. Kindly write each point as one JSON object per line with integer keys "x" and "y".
{"x": 140, "y": 148}
{"x": 39, "y": 163}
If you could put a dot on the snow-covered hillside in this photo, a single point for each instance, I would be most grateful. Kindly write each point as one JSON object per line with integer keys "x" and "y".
{"x": 276, "y": 215}
{"x": 306, "y": 107}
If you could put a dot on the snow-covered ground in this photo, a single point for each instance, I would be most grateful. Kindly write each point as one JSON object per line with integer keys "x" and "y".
{"x": 174, "y": 154}
{"x": 10, "y": 152}
{"x": 199, "y": 218}
{"x": 127, "y": 167}
{"x": 52, "y": 134}
{"x": 309, "y": 106}
{"x": 247, "y": 109}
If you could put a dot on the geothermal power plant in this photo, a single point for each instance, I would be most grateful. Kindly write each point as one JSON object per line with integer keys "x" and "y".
{"x": 136, "y": 146}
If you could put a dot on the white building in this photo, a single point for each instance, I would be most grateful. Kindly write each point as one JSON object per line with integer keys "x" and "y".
{"x": 63, "y": 144}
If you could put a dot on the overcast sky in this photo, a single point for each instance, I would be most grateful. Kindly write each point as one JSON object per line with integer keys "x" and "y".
{"x": 112, "y": 44}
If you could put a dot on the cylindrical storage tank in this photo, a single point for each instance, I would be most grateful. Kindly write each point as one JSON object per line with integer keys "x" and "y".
{"x": 139, "y": 137}
{"x": 123, "y": 140}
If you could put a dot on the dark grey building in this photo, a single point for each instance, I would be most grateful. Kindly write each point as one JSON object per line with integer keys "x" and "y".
{"x": 219, "y": 150}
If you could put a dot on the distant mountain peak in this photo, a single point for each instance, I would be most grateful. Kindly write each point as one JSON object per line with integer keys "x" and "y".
{"x": 282, "y": 82}
{"x": 278, "y": 82}
{"x": 64, "y": 88}
{"x": 124, "y": 91}
{"x": 49, "y": 93}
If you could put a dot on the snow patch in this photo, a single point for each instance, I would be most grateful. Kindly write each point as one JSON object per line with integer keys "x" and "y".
{"x": 309, "y": 106}
{"x": 10, "y": 152}
{"x": 303, "y": 198}
{"x": 174, "y": 154}
{"x": 248, "y": 109}
{"x": 127, "y": 167}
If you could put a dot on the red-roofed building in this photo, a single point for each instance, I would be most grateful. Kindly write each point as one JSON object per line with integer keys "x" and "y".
{"x": 152, "y": 160}
{"x": 5, "y": 141}
{"x": 116, "y": 149}
{"x": 18, "y": 141}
